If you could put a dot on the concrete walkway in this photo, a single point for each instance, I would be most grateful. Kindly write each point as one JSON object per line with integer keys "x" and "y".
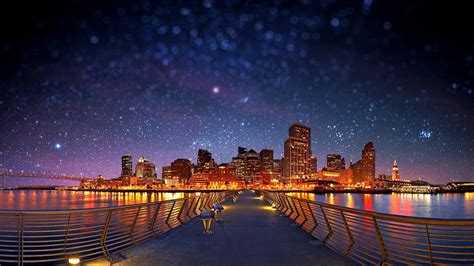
{"x": 252, "y": 233}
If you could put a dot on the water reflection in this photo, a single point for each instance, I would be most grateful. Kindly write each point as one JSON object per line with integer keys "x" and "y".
{"x": 52, "y": 199}
{"x": 451, "y": 205}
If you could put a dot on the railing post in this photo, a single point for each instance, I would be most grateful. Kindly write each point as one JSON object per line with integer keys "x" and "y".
{"x": 134, "y": 223}
{"x": 67, "y": 234}
{"x": 349, "y": 234}
{"x": 379, "y": 237}
{"x": 105, "y": 231}
{"x": 304, "y": 214}
{"x": 314, "y": 219}
{"x": 190, "y": 208}
{"x": 296, "y": 209}
{"x": 20, "y": 239}
{"x": 290, "y": 207}
{"x": 169, "y": 215}
{"x": 197, "y": 207}
{"x": 181, "y": 210}
{"x": 330, "y": 232}
{"x": 429, "y": 243}
{"x": 284, "y": 205}
{"x": 153, "y": 219}
{"x": 204, "y": 203}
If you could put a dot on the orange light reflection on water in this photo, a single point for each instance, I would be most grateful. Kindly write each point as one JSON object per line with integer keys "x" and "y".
{"x": 56, "y": 200}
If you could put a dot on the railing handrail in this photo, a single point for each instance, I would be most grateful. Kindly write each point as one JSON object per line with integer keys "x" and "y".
{"x": 370, "y": 237}
{"x": 45, "y": 236}
{"x": 387, "y": 216}
{"x": 82, "y": 210}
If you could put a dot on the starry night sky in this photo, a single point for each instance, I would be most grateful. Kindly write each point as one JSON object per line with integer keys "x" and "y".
{"x": 83, "y": 83}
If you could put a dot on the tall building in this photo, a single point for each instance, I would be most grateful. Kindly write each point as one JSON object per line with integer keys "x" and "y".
{"x": 364, "y": 169}
{"x": 247, "y": 162}
{"x": 145, "y": 169}
{"x": 335, "y": 162}
{"x": 368, "y": 161}
{"x": 204, "y": 161}
{"x": 298, "y": 153}
{"x": 180, "y": 169}
{"x": 127, "y": 166}
{"x": 266, "y": 160}
{"x": 314, "y": 164}
{"x": 395, "y": 175}
{"x": 252, "y": 164}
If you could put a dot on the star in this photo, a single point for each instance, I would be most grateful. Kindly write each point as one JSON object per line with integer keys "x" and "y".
{"x": 216, "y": 90}
{"x": 57, "y": 146}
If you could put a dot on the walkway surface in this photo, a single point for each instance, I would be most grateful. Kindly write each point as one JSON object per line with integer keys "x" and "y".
{"x": 251, "y": 233}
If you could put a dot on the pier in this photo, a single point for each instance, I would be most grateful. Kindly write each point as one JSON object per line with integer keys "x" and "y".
{"x": 251, "y": 233}
{"x": 260, "y": 228}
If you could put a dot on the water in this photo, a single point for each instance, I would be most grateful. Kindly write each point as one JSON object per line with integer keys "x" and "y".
{"x": 448, "y": 206}
{"x": 56, "y": 199}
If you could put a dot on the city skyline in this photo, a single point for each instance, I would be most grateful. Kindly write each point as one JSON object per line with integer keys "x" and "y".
{"x": 82, "y": 84}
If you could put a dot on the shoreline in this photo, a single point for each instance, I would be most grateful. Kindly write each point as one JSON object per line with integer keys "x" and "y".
{"x": 323, "y": 191}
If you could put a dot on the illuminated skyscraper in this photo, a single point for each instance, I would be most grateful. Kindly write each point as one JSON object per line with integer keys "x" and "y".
{"x": 314, "y": 164}
{"x": 364, "y": 169}
{"x": 204, "y": 161}
{"x": 145, "y": 169}
{"x": 266, "y": 160}
{"x": 368, "y": 161}
{"x": 298, "y": 153}
{"x": 127, "y": 166}
{"x": 335, "y": 162}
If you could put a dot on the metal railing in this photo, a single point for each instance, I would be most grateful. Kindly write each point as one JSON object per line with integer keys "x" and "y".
{"x": 53, "y": 236}
{"x": 376, "y": 238}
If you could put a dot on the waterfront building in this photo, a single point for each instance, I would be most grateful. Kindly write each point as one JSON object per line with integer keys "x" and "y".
{"x": 277, "y": 165}
{"x": 297, "y": 149}
{"x": 357, "y": 174}
{"x": 266, "y": 160}
{"x": 199, "y": 180}
{"x": 265, "y": 178}
{"x": 247, "y": 162}
{"x": 368, "y": 161}
{"x": 238, "y": 163}
{"x": 145, "y": 169}
{"x": 364, "y": 169}
{"x": 395, "y": 175}
{"x": 335, "y": 162}
{"x": 252, "y": 164}
{"x": 204, "y": 161}
{"x": 127, "y": 166}
{"x": 180, "y": 169}
{"x": 222, "y": 177}
{"x": 314, "y": 164}
{"x": 166, "y": 172}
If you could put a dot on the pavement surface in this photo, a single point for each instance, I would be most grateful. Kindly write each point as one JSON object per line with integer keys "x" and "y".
{"x": 251, "y": 233}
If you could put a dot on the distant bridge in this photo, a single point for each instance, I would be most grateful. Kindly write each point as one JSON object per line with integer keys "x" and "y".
{"x": 42, "y": 175}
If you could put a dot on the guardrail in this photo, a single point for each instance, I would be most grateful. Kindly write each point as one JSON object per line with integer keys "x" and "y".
{"x": 55, "y": 236}
{"x": 377, "y": 238}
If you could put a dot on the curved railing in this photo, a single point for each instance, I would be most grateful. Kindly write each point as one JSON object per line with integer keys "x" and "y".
{"x": 377, "y": 238}
{"x": 55, "y": 236}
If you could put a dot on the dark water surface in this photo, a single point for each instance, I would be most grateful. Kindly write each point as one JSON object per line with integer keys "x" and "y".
{"x": 449, "y": 205}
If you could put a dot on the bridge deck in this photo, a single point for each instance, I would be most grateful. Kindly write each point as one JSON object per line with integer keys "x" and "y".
{"x": 252, "y": 233}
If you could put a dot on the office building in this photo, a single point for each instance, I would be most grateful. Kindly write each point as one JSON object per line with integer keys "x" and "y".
{"x": 204, "y": 161}
{"x": 298, "y": 153}
{"x": 145, "y": 169}
{"x": 127, "y": 166}
{"x": 335, "y": 162}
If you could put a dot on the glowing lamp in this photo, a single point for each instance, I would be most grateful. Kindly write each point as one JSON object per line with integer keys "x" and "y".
{"x": 74, "y": 260}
